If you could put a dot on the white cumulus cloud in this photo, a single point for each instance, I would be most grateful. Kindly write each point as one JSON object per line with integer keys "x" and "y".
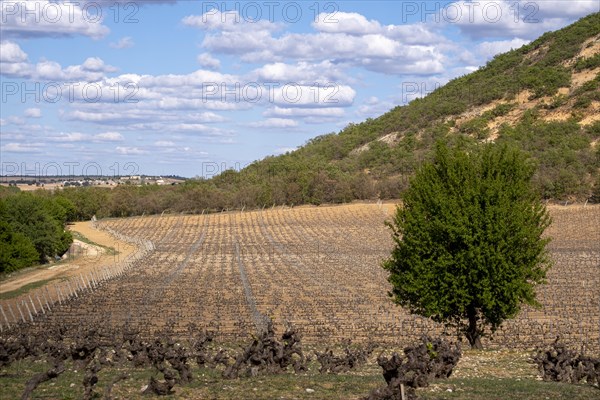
{"x": 109, "y": 137}
{"x": 343, "y": 22}
{"x": 208, "y": 61}
{"x": 123, "y": 43}
{"x": 489, "y": 49}
{"x": 13, "y": 63}
{"x": 292, "y": 95}
{"x": 342, "y": 38}
{"x": 274, "y": 123}
{"x": 125, "y": 150}
{"x": 22, "y": 147}
{"x": 43, "y": 18}
{"x": 10, "y": 52}
{"x": 33, "y": 113}
{"x": 510, "y": 18}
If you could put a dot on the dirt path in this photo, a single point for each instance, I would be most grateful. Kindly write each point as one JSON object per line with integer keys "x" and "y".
{"x": 81, "y": 258}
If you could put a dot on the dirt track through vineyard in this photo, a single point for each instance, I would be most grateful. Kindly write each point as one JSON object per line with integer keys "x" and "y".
{"x": 316, "y": 268}
{"x": 87, "y": 256}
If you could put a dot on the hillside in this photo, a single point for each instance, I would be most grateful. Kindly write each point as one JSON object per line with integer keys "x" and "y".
{"x": 543, "y": 97}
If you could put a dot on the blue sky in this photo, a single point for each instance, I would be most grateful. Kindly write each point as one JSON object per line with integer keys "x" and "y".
{"x": 193, "y": 87}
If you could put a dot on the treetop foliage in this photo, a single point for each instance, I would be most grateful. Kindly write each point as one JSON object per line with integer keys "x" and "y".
{"x": 32, "y": 228}
{"x": 468, "y": 238}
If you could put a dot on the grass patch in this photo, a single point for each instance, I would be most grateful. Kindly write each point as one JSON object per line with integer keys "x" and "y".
{"x": 208, "y": 384}
{"x": 285, "y": 386}
{"x": 24, "y": 289}
{"x": 506, "y": 389}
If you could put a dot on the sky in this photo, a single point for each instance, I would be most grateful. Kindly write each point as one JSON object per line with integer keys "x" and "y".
{"x": 192, "y": 88}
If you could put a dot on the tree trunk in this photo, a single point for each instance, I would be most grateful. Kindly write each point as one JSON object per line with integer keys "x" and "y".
{"x": 473, "y": 333}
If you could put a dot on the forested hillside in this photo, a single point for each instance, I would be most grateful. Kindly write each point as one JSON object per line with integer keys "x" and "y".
{"x": 543, "y": 97}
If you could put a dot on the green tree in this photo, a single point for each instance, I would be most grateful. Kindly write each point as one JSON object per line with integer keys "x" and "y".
{"x": 16, "y": 250}
{"x": 468, "y": 240}
{"x": 40, "y": 220}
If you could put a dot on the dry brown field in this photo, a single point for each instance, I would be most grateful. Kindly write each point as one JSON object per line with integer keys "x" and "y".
{"x": 317, "y": 268}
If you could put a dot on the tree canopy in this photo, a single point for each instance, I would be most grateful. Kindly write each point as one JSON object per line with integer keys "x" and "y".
{"x": 32, "y": 228}
{"x": 468, "y": 239}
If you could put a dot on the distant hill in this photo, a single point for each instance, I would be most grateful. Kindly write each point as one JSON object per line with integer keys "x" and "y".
{"x": 543, "y": 97}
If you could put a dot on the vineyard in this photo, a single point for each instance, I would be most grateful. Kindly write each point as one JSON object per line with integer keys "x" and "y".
{"x": 313, "y": 268}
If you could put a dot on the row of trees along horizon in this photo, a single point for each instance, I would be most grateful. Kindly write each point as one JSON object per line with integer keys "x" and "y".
{"x": 298, "y": 185}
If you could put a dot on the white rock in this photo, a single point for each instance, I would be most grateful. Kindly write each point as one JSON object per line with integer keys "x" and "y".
{"x": 449, "y": 390}
{"x": 143, "y": 389}
{"x": 72, "y": 385}
{"x": 309, "y": 390}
